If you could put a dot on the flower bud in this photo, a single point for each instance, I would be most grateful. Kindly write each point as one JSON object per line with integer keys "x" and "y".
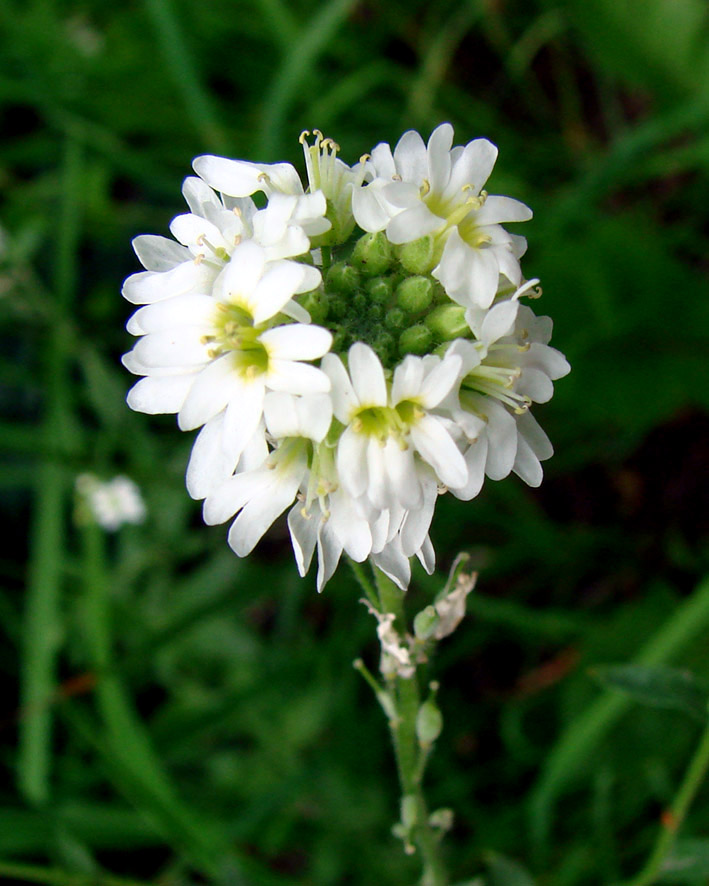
{"x": 425, "y": 623}
{"x": 414, "y": 294}
{"x": 417, "y": 256}
{"x": 380, "y": 289}
{"x": 342, "y": 278}
{"x": 372, "y": 254}
{"x": 316, "y": 305}
{"x": 415, "y": 340}
{"x": 429, "y": 723}
{"x": 409, "y": 811}
{"x": 395, "y": 319}
{"x": 384, "y": 344}
{"x": 448, "y": 322}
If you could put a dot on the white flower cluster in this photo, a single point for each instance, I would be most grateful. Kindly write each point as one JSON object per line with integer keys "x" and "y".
{"x": 111, "y": 503}
{"x": 351, "y": 350}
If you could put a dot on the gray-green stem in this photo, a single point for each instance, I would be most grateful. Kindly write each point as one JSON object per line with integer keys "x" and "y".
{"x": 406, "y": 746}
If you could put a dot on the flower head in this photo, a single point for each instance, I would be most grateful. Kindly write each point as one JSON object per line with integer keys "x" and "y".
{"x": 351, "y": 351}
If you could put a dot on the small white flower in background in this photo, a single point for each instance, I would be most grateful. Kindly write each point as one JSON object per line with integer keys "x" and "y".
{"x": 351, "y": 350}
{"x": 111, "y": 503}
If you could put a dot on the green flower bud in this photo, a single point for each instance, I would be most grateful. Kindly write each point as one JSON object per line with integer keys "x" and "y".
{"x": 440, "y": 296}
{"x": 395, "y": 319}
{"x": 360, "y": 302}
{"x": 384, "y": 344}
{"x": 414, "y": 294}
{"x": 380, "y": 289}
{"x": 417, "y": 256}
{"x": 375, "y": 311}
{"x": 415, "y": 340}
{"x": 372, "y": 254}
{"x": 341, "y": 341}
{"x": 425, "y": 623}
{"x": 448, "y": 322}
{"x": 315, "y": 304}
{"x": 338, "y": 306}
{"x": 342, "y": 278}
{"x": 429, "y": 723}
{"x": 409, "y": 811}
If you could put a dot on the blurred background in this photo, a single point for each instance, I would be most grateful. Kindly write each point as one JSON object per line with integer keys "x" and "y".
{"x": 177, "y": 716}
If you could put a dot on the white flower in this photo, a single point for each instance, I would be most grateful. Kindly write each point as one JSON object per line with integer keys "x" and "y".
{"x": 502, "y": 374}
{"x": 260, "y": 495}
{"x": 434, "y": 190}
{"x": 330, "y": 185}
{"x": 202, "y": 354}
{"x": 111, "y": 503}
{"x": 384, "y": 428}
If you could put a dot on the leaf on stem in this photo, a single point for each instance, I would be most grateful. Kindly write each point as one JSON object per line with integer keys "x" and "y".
{"x": 657, "y": 686}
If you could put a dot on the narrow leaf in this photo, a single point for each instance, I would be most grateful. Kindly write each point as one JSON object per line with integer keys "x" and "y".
{"x": 657, "y": 686}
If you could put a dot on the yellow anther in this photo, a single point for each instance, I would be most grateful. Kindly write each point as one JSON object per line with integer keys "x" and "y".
{"x": 365, "y": 157}
{"x": 318, "y": 136}
{"x": 236, "y": 211}
{"x": 263, "y": 177}
{"x": 425, "y": 187}
{"x": 357, "y": 425}
{"x": 304, "y": 512}
{"x": 222, "y": 307}
{"x": 303, "y": 136}
{"x": 537, "y": 292}
{"x": 206, "y": 339}
{"x": 237, "y": 239}
{"x": 252, "y": 371}
{"x": 396, "y": 177}
{"x": 199, "y": 258}
{"x": 525, "y": 347}
{"x": 213, "y": 353}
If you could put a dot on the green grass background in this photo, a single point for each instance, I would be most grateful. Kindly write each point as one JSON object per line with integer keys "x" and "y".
{"x": 174, "y": 715}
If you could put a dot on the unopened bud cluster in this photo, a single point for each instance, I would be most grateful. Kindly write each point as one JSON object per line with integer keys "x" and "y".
{"x": 350, "y": 350}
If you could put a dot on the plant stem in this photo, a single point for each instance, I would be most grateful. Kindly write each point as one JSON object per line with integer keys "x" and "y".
{"x": 406, "y": 745}
{"x": 672, "y": 819}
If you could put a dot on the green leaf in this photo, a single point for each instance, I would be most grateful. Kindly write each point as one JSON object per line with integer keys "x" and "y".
{"x": 688, "y": 862}
{"x": 506, "y": 872}
{"x": 657, "y": 686}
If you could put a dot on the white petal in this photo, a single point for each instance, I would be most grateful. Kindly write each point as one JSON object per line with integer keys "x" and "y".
{"x": 417, "y": 522}
{"x": 200, "y": 198}
{"x": 394, "y": 564}
{"x": 496, "y": 210}
{"x": 350, "y": 527}
{"x": 182, "y": 346}
{"x": 410, "y": 157}
{"x": 483, "y": 271}
{"x": 243, "y": 414}
{"x": 233, "y": 493}
{"x": 410, "y": 224}
{"x": 502, "y": 441}
{"x": 329, "y": 553}
{"x": 344, "y": 399}
{"x": 368, "y": 210}
{"x": 288, "y": 416}
{"x": 209, "y": 464}
{"x": 243, "y": 272}
{"x": 452, "y": 270}
{"x": 535, "y": 384}
{"x": 549, "y": 360}
{"x": 275, "y": 289}
{"x": 161, "y": 395}
{"x": 296, "y": 341}
{"x": 367, "y": 375}
{"x": 237, "y": 178}
{"x": 472, "y": 167}
{"x": 377, "y": 487}
{"x": 535, "y": 436}
{"x": 440, "y": 380}
{"x": 439, "y": 158}
{"x": 527, "y": 464}
{"x": 499, "y": 321}
{"x": 437, "y": 448}
{"x": 213, "y": 388}
{"x": 260, "y": 512}
{"x": 383, "y": 161}
{"x": 352, "y": 462}
{"x": 400, "y": 469}
{"x": 408, "y": 377}
{"x": 189, "y": 229}
{"x": 147, "y": 287}
{"x": 183, "y": 310}
{"x": 159, "y": 253}
{"x": 475, "y": 459}
{"x": 427, "y": 556}
{"x": 296, "y": 378}
{"x": 304, "y": 536}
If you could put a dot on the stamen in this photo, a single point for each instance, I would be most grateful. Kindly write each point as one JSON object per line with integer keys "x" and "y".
{"x": 303, "y": 136}
{"x": 264, "y": 177}
{"x": 199, "y": 258}
{"x": 236, "y": 211}
{"x": 396, "y": 177}
{"x": 425, "y": 187}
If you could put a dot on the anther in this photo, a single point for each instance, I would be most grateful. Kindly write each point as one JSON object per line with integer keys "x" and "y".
{"x": 199, "y": 258}
{"x": 318, "y": 137}
{"x": 425, "y": 187}
{"x": 236, "y": 211}
{"x": 263, "y": 177}
{"x": 365, "y": 157}
{"x": 396, "y": 177}
{"x": 357, "y": 425}
{"x": 304, "y": 512}
{"x": 237, "y": 239}
{"x": 303, "y": 136}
